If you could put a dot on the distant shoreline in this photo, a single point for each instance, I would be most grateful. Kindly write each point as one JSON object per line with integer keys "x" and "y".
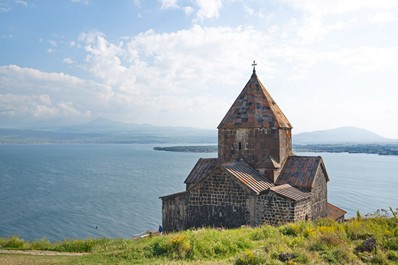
{"x": 378, "y": 149}
{"x": 189, "y": 149}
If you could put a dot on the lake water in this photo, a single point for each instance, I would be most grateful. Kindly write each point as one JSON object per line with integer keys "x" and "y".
{"x": 80, "y": 191}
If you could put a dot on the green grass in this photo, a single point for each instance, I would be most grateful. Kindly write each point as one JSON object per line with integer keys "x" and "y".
{"x": 320, "y": 242}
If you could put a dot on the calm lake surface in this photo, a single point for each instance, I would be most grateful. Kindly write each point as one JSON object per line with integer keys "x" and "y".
{"x": 80, "y": 191}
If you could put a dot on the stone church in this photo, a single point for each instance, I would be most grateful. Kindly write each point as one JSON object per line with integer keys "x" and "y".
{"x": 256, "y": 178}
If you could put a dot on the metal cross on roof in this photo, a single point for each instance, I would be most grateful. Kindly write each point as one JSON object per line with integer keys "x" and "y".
{"x": 254, "y": 66}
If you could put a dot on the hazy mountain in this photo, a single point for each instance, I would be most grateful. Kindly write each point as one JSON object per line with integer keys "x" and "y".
{"x": 108, "y": 131}
{"x": 339, "y": 135}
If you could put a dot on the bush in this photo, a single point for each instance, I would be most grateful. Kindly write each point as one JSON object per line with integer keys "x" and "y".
{"x": 42, "y": 244}
{"x": 338, "y": 255}
{"x": 249, "y": 258}
{"x": 356, "y": 229}
{"x": 292, "y": 229}
{"x": 13, "y": 242}
{"x": 379, "y": 258}
{"x": 393, "y": 256}
{"x": 391, "y": 244}
{"x": 181, "y": 246}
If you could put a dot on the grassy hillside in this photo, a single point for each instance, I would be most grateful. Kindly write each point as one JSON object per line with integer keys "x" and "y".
{"x": 358, "y": 241}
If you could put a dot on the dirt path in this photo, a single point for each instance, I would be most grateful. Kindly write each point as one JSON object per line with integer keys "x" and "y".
{"x": 40, "y": 253}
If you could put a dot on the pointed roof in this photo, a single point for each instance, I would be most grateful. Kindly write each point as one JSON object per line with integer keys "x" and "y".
{"x": 254, "y": 108}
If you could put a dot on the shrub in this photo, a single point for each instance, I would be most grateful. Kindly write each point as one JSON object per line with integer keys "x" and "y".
{"x": 359, "y": 216}
{"x": 42, "y": 244}
{"x": 181, "y": 246}
{"x": 338, "y": 255}
{"x": 292, "y": 229}
{"x": 393, "y": 256}
{"x": 14, "y": 242}
{"x": 159, "y": 248}
{"x": 379, "y": 258}
{"x": 391, "y": 244}
{"x": 249, "y": 258}
{"x": 356, "y": 229}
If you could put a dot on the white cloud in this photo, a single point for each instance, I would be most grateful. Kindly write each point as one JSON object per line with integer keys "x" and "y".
{"x": 5, "y": 6}
{"x": 53, "y": 43}
{"x": 249, "y": 11}
{"x": 208, "y": 8}
{"x": 188, "y": 10}
{"x": 30, "y": 93}
{"x": 205, "y": 9}
{"x": 22, "y": 2}
{"x": 167, "y": 4}
{"x": 68, "y": 60}
{"x": 383, "y": 18}
{"x": 336, "y": 7}
{"x": 85, "y": 2}
{"x": 312, "y": 55}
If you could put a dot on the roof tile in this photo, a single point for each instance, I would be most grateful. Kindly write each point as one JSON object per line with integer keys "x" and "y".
{"x": 248, "y": 176}
{"x": 254, "y": 108}
{"x": 300, "y": 171}
{"x": 201, "y": 169}
{"x": 334, "y": 211}
{"x": 290, "y": 192}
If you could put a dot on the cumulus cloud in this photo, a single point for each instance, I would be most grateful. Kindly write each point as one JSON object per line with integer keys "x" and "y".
{"x": 204, "y": 9}
{"x": 166, "y": 4}
{"x": 27, "y": 92}
{"x": 208, "y": 8}
{"x": 191, "y": 76}
{"x": 319, "y": 16}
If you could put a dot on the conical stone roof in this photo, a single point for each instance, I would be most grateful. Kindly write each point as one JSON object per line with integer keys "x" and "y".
{"x": 254, "y": 108}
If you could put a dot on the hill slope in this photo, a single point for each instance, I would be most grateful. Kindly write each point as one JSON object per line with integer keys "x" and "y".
{"x": 339, "y": 135}
{"x": 357, "y": 241}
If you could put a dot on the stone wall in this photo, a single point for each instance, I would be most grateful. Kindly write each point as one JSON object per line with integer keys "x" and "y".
{"x": 219, "y": 201}
{"x": 174, "y": 211}
{"x": 319, "y": 200}
{"x": 274, "y": 209}
{"x": 285, "y": 144}
{"x": 303, "y": 210}
{"x": 253, "y": 145}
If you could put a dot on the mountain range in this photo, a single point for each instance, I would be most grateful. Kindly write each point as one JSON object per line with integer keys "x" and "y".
{"x": 108, "y": 131}
{"x": 341, "y": 135}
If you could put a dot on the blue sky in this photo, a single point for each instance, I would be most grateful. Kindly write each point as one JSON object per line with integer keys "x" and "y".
{"x": 183, "y": 63}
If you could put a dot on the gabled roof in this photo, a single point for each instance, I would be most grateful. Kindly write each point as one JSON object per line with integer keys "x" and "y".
{"x": 200, "y": 170}
{"x": 248, "y": 176}
{"x": 254, "y": 108}
{"x": 290, "y": 192}
{"x": 300, "y": 171}
{"x": 334, "y": 211}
